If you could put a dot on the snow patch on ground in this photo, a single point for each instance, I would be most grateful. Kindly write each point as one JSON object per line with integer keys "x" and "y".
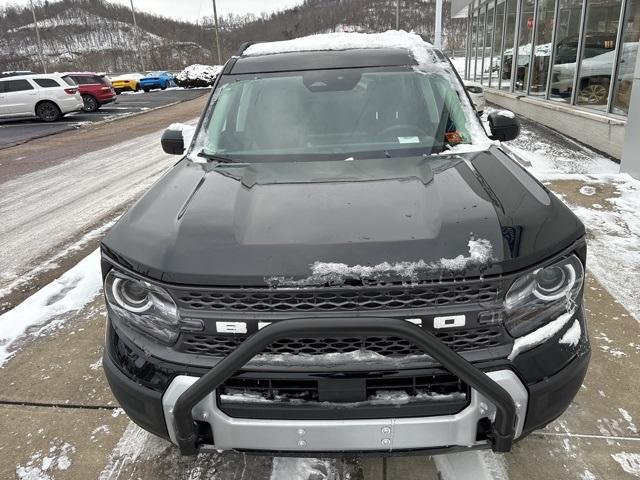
{"x": 630, "y": 462}
{"x": 68, "y": 293}
{"x": 541, "y": 335}
{"x": 135, "y": 444}
{"x": 588, "y": 190}
{"x": 572, "y": 336}
{"x": 43, "y": 465}
{"x": 484, "y": 464}
{"x": 97, "y": 365}
{"x": 613, "y": 227}
{"x": 53, "y": 262}
{"x": 331, "y": 273}
{"x": 587, "y": 475}
{"x": 629, "y": 419}
{"x": 300, "y": 469}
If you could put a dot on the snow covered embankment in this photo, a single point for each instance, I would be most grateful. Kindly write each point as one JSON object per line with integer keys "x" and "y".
{"x": 51, "y": 305}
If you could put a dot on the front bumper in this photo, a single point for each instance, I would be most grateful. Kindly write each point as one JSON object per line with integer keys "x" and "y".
{"x": 379, "y": 434}
{"x": 536, "y": 404}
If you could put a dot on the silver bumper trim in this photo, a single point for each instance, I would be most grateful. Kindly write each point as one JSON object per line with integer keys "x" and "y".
{"x": 347, "y": 435}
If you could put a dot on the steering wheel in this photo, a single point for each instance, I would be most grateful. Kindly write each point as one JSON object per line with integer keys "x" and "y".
{"x": 405, "y": 130}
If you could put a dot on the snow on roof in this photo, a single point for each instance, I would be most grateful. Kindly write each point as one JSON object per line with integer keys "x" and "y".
{"x": 349, "y": 41}
{"x": 197, "y": 71}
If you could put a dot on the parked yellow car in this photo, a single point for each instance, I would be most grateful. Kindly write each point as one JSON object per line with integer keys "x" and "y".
{"x": 127, "y": 82}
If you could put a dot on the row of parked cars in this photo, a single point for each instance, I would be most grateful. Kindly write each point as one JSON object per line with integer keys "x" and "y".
{"x": 136, "y": 81}
{"x": 51, "y": 96}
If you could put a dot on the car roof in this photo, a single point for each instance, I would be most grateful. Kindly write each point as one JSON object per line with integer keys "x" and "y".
{"x": 80, "y": 73}
{"x": 322, "y": 60}
{"x": 33, "y": 75}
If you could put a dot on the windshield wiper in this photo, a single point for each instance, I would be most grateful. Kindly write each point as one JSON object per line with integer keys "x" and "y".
{"x": 214, "y": 157}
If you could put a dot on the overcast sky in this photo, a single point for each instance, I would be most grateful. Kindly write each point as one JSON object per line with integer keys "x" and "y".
{"x": 193, "y": 10}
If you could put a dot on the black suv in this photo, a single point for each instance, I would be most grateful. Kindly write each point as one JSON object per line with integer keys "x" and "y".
{"x": 345, "y": 262}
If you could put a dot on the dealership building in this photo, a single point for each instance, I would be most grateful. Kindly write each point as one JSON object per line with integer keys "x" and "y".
{"x": 568, "y": 64}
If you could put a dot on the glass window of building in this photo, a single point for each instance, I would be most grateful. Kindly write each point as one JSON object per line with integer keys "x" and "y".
{"x": 598, "y": 53}
{"x": 542, "y": 51}
{"x": 566, "y": 50}
{"x": 474, "y": 40}
{"x": 507, "y": 66}
{"x": 480, "y": 42}
{"x": 488, "y": 37}
{"x": 628, "y": 55}
{"x": 525, "y": 39}
{"x": 494, "y": 80}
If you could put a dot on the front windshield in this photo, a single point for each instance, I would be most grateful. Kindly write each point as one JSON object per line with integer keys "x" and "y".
{"x": 334, "y": 114}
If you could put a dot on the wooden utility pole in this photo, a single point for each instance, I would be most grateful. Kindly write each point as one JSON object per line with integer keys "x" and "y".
{"x": 215, "y": 19}
{"x": 35, "y": 22}
{"x": 135, "y": 26}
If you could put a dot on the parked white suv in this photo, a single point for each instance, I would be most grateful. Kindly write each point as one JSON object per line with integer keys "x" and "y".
{"x": 46, "y": 96}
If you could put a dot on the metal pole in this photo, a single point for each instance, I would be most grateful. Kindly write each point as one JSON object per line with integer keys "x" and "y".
{"x": 215, "y": 19}
{"x": 397, "y": 14}
{"x": 135, "y": 26}
{"x": 619, "y": 48}
{"x": 438, "y": 32}
{"x": 35, "y": 22}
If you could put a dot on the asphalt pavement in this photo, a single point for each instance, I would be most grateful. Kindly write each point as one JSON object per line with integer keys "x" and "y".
{"x": 15, "y": 132}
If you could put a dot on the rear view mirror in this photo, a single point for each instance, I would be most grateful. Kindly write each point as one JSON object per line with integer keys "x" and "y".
{"x": 504, "y": 125}
{"x": 172, "y": 141}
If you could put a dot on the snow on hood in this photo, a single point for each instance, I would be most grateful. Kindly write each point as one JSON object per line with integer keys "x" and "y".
{"x": 349, "y": 41}
{"x": 331, "y": 273}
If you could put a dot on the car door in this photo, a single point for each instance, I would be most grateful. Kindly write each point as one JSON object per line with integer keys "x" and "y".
{"x": 19, "y": 98}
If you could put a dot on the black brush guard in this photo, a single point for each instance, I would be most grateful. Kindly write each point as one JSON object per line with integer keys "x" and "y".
{"x": 502, "y": 429}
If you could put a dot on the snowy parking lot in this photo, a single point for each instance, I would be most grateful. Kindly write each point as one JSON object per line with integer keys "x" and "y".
{"x": 14, "y": 132}
{"x": 59, "y": 419}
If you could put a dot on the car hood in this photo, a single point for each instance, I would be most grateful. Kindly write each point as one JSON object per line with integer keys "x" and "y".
{"x": 305, "y": 223}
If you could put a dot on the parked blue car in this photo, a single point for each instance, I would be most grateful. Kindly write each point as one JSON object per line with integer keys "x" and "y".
{"x": 155, "y": 80}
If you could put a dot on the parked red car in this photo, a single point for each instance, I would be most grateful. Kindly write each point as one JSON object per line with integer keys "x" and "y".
{"x": 96, "y": 90}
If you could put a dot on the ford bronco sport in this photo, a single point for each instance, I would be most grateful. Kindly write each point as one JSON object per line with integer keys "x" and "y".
{"x": 343, "y": 262}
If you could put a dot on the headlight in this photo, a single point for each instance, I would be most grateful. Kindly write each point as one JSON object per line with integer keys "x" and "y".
{"x": 145, "y": 307}
{"x": 540, "y": 296}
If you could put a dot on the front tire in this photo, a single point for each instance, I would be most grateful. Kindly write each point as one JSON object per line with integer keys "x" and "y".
{"x": 90, "y": 103}
{"x": 48, "y": 111}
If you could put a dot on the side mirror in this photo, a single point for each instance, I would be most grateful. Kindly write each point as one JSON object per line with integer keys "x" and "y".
{"x": 504, "y": 125}
{"x": 172, "y": 141}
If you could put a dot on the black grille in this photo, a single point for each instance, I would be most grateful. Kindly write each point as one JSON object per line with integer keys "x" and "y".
{"x": 338, "y": 299}
{"x": 461, "y": 340}
{"x": 302, "y": 398}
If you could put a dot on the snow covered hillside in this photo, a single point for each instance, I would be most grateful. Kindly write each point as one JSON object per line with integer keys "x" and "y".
{"x": 98, "y": 35}
{"x": 78, "y": 38}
